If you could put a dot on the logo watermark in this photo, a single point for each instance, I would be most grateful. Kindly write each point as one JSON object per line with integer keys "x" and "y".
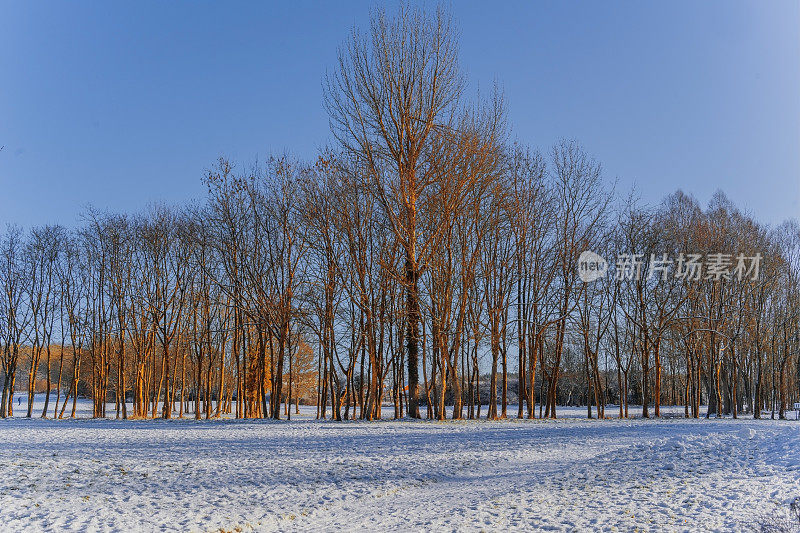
{"x": 591, "y": 266}
{"x": 690, "y": 267}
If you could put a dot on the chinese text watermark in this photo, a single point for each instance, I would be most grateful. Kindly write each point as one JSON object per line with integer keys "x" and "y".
{"x": 689, "y": 267}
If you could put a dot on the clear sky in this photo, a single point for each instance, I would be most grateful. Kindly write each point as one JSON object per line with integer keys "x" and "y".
{"x": 120, "y": 105}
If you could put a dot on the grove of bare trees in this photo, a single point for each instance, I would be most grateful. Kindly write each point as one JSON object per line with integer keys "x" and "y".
{"x": 424, "y": 264}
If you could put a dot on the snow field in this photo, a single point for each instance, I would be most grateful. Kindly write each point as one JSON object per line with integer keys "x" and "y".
{"x": 569, "y": 474}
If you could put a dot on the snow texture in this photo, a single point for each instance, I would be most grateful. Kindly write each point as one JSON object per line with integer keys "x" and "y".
{"x": 569, "y": 474}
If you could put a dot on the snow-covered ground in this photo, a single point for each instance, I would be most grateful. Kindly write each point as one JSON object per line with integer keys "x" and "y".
{"x": 570, "y": 474}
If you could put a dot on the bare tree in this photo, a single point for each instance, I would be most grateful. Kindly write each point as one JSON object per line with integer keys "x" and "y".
{"x": 390, "y": 92}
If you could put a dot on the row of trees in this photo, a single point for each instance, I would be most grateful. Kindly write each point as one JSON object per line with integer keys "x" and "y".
{"x": 418, "y": 255}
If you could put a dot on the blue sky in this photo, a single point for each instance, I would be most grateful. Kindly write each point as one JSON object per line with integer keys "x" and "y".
{"x": 120, "y": 105}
